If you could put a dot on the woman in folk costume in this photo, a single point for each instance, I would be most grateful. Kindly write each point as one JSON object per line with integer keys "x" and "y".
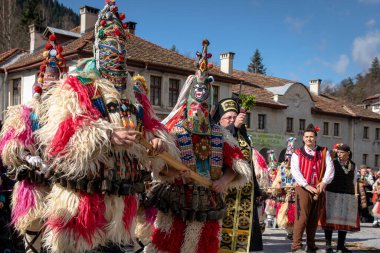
{"x": 376, "y": 203}
{"x": 189, "y": 215}
{"x": 241, "y": 231}
{"x": 282, "y": 187}
{"x": 89, "y": 131}
{"x": 341, "y": 209}
{"x": 20, "y": 152}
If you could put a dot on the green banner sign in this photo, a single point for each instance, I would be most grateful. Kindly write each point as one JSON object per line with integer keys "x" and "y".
{"x": 267, "y": 139}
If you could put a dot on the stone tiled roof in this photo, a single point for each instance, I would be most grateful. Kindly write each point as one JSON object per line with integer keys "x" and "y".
{"x": 140, "y": 52}
{"x": 145, "y": 54}
{"x": 372, "y": 97}
{"x": 333, "y": 106}
{"x": 263, "y": 97}
{"x": 5, "y": 56}
{"x": 261, "y": 80}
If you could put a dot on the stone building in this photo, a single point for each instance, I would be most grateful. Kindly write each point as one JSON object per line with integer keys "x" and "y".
{"x": 283, "y": 107}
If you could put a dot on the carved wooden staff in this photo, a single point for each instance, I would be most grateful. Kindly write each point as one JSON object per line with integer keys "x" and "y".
{"x": 175, "y": 164}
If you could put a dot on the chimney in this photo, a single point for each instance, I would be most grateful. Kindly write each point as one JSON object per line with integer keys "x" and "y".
{"x": 88, "y": 18}
{"x": 36, "y": 38}
{"x": 315, "y": 86}
{"x": 131, "y": 27}
{"x": 227, "y": 62}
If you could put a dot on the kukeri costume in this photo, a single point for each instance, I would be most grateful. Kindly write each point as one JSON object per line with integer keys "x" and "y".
{"x": 189, "y": 216}
{"x": 19, "y": 150}
{"x": 241, "y": 231}
{"x": 284, "y": 191}
{"x": 94, "y": 197}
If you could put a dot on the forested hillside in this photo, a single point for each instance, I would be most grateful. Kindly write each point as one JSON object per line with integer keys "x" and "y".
{"x": 17, "y": 15}
{"x": 356, "y": 89}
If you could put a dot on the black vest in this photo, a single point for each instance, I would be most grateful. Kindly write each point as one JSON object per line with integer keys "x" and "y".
{"x": 342, "y": 182}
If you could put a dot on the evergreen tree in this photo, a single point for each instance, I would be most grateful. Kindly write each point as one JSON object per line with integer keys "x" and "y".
{"x": 174, "y": 48}
{"x": 256, "y": 65}
{"x": 31, "y": 14}
{"x": 374, "y": 70}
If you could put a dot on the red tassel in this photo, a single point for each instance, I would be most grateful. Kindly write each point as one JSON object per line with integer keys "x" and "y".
{"x": 42, "y": 68}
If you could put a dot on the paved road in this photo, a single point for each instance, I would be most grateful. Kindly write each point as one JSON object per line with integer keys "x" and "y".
{"x": 365, "y": 241}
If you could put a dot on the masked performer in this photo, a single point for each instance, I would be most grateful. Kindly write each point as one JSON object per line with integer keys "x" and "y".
{"x": 283, "y": 188}
{"x": 90, "y": 132}
{"x": 241, "y": 231}
{"x": 19, "y": 151}
{"x": 189, "y": 214}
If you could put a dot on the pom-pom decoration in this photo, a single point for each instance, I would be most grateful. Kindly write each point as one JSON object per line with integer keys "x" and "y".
{"x": 42, "y": 68}
{"x": 37, "y": 89}
{"x": 59, "y": 49}
{"x": 317, "y": 129}
{"x": 103, "y": 22}
{"x": 121, "y": 16}
{"x": 52, "y": 37}
{"x": 48, "y": 46}
{"x": 45, "y": 54}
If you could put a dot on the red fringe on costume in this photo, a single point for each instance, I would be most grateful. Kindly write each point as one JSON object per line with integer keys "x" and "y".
{"x": 209, "y": 242}
{"x": 175, "y": 119}
{"x": 150, "y": 123}
{"x": 68, "y": 127}
{"x": 88, "y": 222}
{"x": 66, "y": 130}
{"x": 291, "y": 213}
{"x": 130, "y": 211}
{"x": 160, "y": 239}
{"x": 83, "y": 96}
{"x": 230, "y": 154}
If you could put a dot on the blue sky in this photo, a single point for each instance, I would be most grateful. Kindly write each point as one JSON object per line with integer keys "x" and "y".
{"x": 298, "y": 39}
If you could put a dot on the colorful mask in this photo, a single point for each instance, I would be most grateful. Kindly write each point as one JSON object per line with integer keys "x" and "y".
{"x": 110, "y": 51}
{"x": 290, "y": 147}
{"x": 199, "y": 101}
